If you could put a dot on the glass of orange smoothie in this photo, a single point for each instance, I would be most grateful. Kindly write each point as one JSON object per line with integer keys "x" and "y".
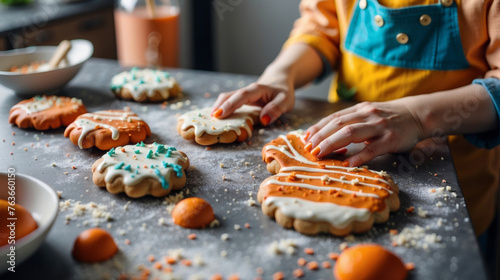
{"x": 147, "y": 33}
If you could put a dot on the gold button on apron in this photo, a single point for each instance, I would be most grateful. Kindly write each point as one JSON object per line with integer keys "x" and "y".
{"x": 402, "y": 38}
{"x": 362, "y": 4}
{"x": 447, "y": 3}
{"x": 379, "y": 21}
{"x": 425, "y": 20}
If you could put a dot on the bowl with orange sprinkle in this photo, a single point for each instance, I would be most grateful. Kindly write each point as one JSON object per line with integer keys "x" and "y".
{"x": 24, "y": 71}
{"x": 28, "y": 209}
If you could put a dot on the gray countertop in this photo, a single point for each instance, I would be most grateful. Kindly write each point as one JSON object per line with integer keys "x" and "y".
{"x": 455, "y": 256}
{"x": 36, "y": 15}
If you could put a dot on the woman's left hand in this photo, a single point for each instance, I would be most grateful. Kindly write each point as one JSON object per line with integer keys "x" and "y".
{"x": 385, "y": 127}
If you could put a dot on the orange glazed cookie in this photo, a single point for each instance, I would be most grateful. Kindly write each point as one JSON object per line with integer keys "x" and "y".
{"x": 199, "y": 126}
{"x": 369, "y": 262}
{"x": 145, "y": 85}
{"x": 193, "y": 212}
{"x": 141, "y": 169}
{"x": 107, "y": 129}
{"x": 44, "y": 112}
{"x": 314, "y": 196}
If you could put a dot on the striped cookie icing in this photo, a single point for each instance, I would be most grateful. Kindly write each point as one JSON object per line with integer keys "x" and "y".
{"x": 115, "y": 120}
{"x": 322, "y": 190}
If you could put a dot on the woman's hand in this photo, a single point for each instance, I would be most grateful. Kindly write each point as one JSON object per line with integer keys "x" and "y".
{"x": 385, "y": 127}
{"x": 294, "y": 67}
{"x": 275, "y": 99}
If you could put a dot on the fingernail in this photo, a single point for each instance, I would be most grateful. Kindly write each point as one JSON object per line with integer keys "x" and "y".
{"x": 307, "y": 135}
{"x": 345, "y": 163}
{"x": 308, "y": 147}
{"x": 316, "y": 151}
{"x": 265, "y": 120}
{"x": 217, "y": 113}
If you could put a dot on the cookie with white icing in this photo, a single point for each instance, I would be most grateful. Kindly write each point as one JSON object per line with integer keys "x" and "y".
{"x": 107, "y": 129}
{"x": 145, "y": 85}
{"x": 141, "y": 169}
{"x": 45, "y": 112}
{"x": 200, "y": 126}
{"x": 314, "y": 196}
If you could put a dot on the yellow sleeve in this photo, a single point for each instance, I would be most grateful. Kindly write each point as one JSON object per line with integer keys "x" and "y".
{"x": 318, "y": 27}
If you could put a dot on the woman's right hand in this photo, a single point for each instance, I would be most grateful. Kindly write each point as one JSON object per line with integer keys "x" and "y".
{"x": 274, "y": 98}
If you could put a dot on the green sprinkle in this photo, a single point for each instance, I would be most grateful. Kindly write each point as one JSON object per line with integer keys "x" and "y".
{"x": 142, "y": 82}
{"x": 119, "y": 165}
{"x": 132, "y": 176}
{"x": 111, "y": 152}
{"x": 141, "y": 144}
{"x": 164, "y": 184}
{"x": 150, "y": 154}
{"x": 161, "y": 149}
{"x": 128, "y": 167}
{"x": 137, "y": 151}
{"x": 158, "y": 79}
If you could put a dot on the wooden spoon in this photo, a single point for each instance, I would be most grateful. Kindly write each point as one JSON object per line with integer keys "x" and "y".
{"x": 60, "y": 54}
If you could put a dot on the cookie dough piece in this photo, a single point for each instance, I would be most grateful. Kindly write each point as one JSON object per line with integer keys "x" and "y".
{"x": 141, "y": 169}
{"x": 107, "y": 129}
{"x": 193, "y": 212}
{"x": 145, "y": 85}
{"x": 314, "y": 196}
{"x": 199, "y": 126}
{"x": 45, "y": 112}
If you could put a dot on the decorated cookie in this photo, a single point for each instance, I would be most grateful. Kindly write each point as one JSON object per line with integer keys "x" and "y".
{"x": 369, "y": 262}
{"x": 193, "y": 212}
{"x": 145, "y": 85}
{"x": 141, "y": 169}
{"x": 198, "y": 125}
{"x": 314, "y": 196}
{"x": 107, "y": 129}
{"x": 44, "y": 112}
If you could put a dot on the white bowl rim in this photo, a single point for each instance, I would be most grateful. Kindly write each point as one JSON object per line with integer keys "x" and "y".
{"x": 41, "y": 228}
{"x": 46, "y": 49}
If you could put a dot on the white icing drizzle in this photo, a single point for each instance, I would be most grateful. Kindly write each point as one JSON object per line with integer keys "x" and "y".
{"x": 42, "y": 103}
{"x": 88, "y": 125}
{"x": 319, "y": 170}
{"x": 84, "y": 121}
{"x": 202, "y": 122}
{"x": 316, "y": 188}
{"x": 144, "y": 81}
{"x": 337, "y": 215}
{"x": 136, "y": 162}
{"x": 328, "y": 178}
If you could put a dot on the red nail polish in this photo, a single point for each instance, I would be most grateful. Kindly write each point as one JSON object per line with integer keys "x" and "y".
{"x": 308, "y": 147}
{"x": 217, "y": 113}
{"x": 316, "y": 151}
{"x": 265, "y": 120}
{"x": 345, "y": 163}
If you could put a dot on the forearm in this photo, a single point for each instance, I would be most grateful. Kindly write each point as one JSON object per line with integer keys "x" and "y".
{"x": 295, "y": 66}
{"x": 464, "y": 110}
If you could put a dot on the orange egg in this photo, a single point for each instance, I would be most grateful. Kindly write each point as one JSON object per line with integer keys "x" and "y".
{"x": 22, "y": 226}
{"x": 94, "y": 245}
{"x": 193, "y": 212}
{"x": 369, "y": 262}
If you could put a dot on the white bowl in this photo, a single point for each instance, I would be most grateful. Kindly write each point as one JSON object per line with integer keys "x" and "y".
{"x": 28, "y": 85}
{"x": 43, "y": 204}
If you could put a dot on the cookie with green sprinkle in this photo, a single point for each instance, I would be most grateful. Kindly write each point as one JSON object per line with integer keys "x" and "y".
{"x": 141, "y": 169}
{"x": 144, "y": 85}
